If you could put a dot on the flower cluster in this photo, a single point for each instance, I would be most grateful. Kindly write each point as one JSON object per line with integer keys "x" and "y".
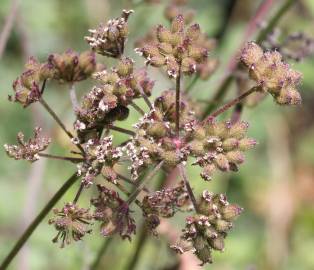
{"x": 109, "y": 39}
{"x": 156, "y": 139}
{"x": 167, "y": 135}
{"x": 28, "y": 150}
{"x": 71, "y": 222}
{"x": 164, "y": 203}
{"x": 207, "y": 230}
{"x": 177, "y": 49}
{"x": 27, "y": 87}
{"x": 101, "y": 157}
{"x": 218, "y": 145}
{"x": 113, "y": 213}
{"x": 72, "y": 66}
{"x": 108, "y": 101}
{"x": 272, "y": 74}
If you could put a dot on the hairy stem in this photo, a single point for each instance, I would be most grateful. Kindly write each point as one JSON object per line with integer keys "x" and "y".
{"x": 233, "y": 102}
{"x": 188, "y": 187}
{"x": 43, "y": 213}
{"x": 71, "y": 159}
{"x": 142, "y": 184}
{"x": 178, "y": 89}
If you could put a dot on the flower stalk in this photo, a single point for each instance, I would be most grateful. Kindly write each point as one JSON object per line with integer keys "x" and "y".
{"x": 43, "y": 213}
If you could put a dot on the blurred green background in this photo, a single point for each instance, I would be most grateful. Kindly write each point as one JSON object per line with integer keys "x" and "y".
{"x": 275, "y": 185}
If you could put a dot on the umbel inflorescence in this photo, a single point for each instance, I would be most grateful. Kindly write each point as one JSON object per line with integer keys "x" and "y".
{"x": 168, "y": 134}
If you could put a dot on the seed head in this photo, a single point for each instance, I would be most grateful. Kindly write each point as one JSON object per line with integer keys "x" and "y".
{"x": 71, "y": 222}
{"x": 272, "y": 74}
{"x": 28, "y": 150}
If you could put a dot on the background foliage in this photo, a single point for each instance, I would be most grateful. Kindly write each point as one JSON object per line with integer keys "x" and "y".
{"x": 275, "y": 185}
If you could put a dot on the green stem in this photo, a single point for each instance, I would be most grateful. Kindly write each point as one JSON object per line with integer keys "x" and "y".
{"x": 220, "y": 93}
{"x": 142, "y": 238}
{"x": 137, "y": 108}
{"x": 58, "y": 120}
{"x": 188, "y": 186}
{"x": 122, "y": 130}
{"x": 274, "y": 20}
{"x": 143, "y": 233}
{"x": 71, "y": 159}
{"x": 191, "y": 84}
{"x": 43, "y": 213}
{"x": 100, "y": 253}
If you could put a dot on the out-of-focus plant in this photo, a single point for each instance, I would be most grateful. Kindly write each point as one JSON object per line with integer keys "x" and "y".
{"x": 170, "y": 132}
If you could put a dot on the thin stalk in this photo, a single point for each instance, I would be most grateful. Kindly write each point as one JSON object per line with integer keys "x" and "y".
{"x": 191, "y": 84}
{"x": 129, "y": 181}
{"x": 78, "y": 193}
{"x": 178, "y": 89}
{"x": 143, "y": 233}
{"x": 125, "y": 179}
{"x": 188, "y": 187}
{"x": 8, "y": 26}
{"x": 122, "y": 130}
{"x": 71, "y": 159}
{"x": 43, "y": 213}
{"x": 124, "y": 190}
{"x": 138, "y": 248}
{"x": 137, "y": 108}
{"x": 142, "y": 184}
{"x": 58, "y": 120}
{"x": 224, "y": 86}
{"x": 233, "y": 102}
{"x": 220, "y": 93}
{"x": 146, "y": 99}
{"x": 100, "y": 253}
{"x": 275, "y": 19}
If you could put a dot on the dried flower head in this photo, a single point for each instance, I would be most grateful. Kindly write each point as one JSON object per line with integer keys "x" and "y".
{"x": 113, "y": 212}
{"x": 28, "y": 150}
{"x": 156, "y": 138}
{"x": 207, "y": 230}
{"x": 71, "y": 222}
{"x": 177, "y": 48}
{"x": 219, "y": 145}
{"x": 71, "y": 66}
{"x": 27, "y": 87}
{"x": 108, "y": 101}
{"x": 166, "y": 202}
{"x": 109, "y": 39}
{"x": 271, "y": 74}
{"x": 101, "y": 156}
